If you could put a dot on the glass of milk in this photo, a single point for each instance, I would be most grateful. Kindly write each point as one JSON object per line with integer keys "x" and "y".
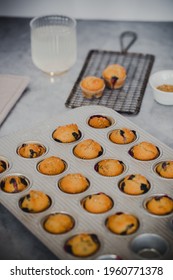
{"x": 53, "y": 43}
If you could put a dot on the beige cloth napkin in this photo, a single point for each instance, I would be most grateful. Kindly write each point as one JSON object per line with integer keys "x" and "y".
{"x": 11, "y": 88}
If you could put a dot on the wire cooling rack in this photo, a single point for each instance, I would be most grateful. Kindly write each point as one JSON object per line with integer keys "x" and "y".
{"x": 127, "y": 99}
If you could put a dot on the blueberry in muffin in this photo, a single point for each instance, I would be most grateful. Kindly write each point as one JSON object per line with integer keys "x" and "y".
{"x": 67, "y": 133}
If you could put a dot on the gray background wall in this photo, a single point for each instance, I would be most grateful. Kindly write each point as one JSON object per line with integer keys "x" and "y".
{"x": 142, "y": 10}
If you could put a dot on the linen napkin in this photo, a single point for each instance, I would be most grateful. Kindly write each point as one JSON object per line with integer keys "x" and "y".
{"x": 11, "y": 88}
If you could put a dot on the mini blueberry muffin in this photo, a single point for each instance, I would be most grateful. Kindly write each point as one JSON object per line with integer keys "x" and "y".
{"x": 99, "y": 121}
{"x": 67, "y": 133}
{"x": 35, "y": 202}
{"x": 144, "y": 151}
{"x": 160, "y": 205}
{"x": 3, "y": 165}
{"x": 122, "y": 223}
{"x": 97, "y": 203}
{"x": 165, "y": 169}
{"x": 51, "y": 166}
{"x": 109, "y": 167}
{"x": 73, "y": 183}
{"x": 88, "y": 149}
{"x": 14, "y": 184}
{"x": 82, "y": 245}
{"x": 92, "y": 86}
{"x": 122, "y": 136}
{"x": 58, "y": 223}
{"x": 31, "y": 150}
{"x": 134, "y": 184}
{"x": 114, "y": 76}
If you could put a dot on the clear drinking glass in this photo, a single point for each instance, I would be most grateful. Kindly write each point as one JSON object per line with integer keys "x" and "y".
{"x": 53, "y": 43}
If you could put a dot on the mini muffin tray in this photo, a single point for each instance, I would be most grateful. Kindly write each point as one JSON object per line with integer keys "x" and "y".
{"x": 154, "y": 237}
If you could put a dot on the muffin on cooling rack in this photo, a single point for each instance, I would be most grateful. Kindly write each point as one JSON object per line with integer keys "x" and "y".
{"x": 67, "y": 133}
{"x": 165, "y": 169}
{"x": 122, "y": 136}
{"x": 92, "y": 86}
{"x": 114, "y": 76}
{"x": 160, "y": 205}
{"x": 97, "y": 203}
{"x": 73, "y": 183}
{"x": 88, "y": 149}
{"x": 122, "y": 223}
{"x": 109, "y": 167}
{"x": 51, "y": 166}
{"x": 134, "y": 184}
{"x": 58, "y": 223}
{"x": 35, "y": 202}
{"x": 3, "y": 165}
{"x": 31, "y": 150}
{"x": 99, "y": 121}
{"x": 14, "y": 184}
{"x": 144, "y": 151}
{"x": 82, "y": 245}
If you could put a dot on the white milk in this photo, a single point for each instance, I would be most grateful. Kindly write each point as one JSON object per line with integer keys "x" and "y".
{"x": 53, "y": 48}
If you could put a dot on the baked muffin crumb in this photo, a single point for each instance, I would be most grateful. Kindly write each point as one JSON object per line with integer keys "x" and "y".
{"x": 165, "y": 169}
{"x": 82, "y": 245}
{"x": 3, "y": 165}
{"x": 114, "y": 76}
{"x": 73, "y": 183}
{"x": 97, "y": 203}
{"x": 51, "y": 166}
{"x": 99, "y": 121}
{"x": 88, "y": 149}
{"x": 109, "y": 167}
{"x": 35, "y": 202}
{"x": 14, "y": 183}
{"x": 58, "y": 223}
{"x": 134, "y": 184}
{"x": 160, "y": 205}
{"x": 144, "y": 151}
{"x": 122, "y": 223}
{"x": 122, "y": 136}
{"x": 92, "y": 86}
{"x": 67, "y": 133}
{"x": 31, "y": 150}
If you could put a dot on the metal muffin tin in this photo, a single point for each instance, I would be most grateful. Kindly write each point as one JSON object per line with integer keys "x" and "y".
{"x": 154, "y": 237}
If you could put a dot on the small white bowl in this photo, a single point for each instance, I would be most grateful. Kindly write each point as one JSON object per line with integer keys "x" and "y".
{"x": 160, "y": 78}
